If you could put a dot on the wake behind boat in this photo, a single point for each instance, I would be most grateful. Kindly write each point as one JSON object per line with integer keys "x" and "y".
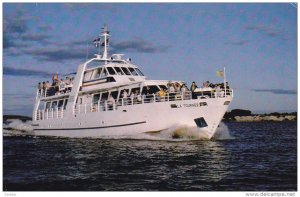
{"x": 109, "y": 96}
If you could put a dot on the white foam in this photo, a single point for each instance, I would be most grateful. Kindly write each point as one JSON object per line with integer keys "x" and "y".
{"x": 17, "y": 127}
{"x": 223, "y": 133}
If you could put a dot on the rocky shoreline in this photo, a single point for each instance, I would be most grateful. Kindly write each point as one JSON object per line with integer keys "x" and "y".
{"x": 240, "y": 115}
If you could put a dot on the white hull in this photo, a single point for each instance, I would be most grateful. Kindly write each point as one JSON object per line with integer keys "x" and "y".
{"x": 132, "y": 120}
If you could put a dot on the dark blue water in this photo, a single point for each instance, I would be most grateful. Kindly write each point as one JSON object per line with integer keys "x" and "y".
{"x": 260, "y": 157}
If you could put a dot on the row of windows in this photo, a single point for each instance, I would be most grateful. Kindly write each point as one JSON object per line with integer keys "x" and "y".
{"x": 56, "y": 104}
{"x": 104, "y": 71}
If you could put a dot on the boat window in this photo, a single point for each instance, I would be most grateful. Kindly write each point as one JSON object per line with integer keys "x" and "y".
{"x": 140, "y": 73}
{"x": 47, "y": 105}
{"x": 94, "y": 64}
{"x": 126, "y": 71}
{"x": 111, "y": 70}
{"x": 65, "y": 104}
{"x": 110, "y": 79}
{"x": 104, "y": 73}
{"x": 122, "y": 93}
{"x": 119, "y": 71}
{"x": 54, "y": 105}
{"x": 203, "y": 103}
{"x": 60, "y": 104}
{"x": 133, "y": 90}
{"x": 104, "y": 96}
{"x": 152, "y": 90}
{"x": 114, "y": 94}
{"x": 97, "y": 73}
{"x": 163, "y": 87}
{"x": 133, "y": 72}
{"x": 96, "y": 98}
{"x": 87, "y": 76}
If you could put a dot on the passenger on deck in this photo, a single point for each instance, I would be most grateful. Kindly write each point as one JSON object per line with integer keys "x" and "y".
{"x": 205, "y": 84}
{"x": 171, "y": 91}
{"x": 44, "y": 85}
{"x": 184, "y": 91}
{"x": 125, "y": 97}
{"x": 55, "y": 79}
{"x": 62, "y": 86}
{"x": 67, "y": 81}
{"x": 177, "y": 87}
{"x": 110, "y": 102}
{"x": 147, "y": 94}
{"x": 193, "y": 88}
{"x": 40, "y": 87}
{"x": 48, "y": 85}
{"x": 137, "y": 97}
{"x": 161, "y": 94}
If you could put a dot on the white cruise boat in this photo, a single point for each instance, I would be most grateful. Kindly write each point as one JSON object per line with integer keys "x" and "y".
{"x": 109, "y": 96}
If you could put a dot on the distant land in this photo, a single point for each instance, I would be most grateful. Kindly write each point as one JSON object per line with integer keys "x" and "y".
{"x": 22, "y": 118}
{"x": 241, "y": 115}
{"x": 236, "y": 115}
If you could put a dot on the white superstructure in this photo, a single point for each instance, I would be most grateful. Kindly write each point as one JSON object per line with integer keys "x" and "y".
{"x": 110, "y": 96}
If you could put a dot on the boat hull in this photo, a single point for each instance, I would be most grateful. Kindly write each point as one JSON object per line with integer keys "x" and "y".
{"x": 132, "y": 120}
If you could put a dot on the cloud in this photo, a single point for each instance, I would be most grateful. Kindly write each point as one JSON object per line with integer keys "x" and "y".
{"x": 18, "y": 96}
{"x": 138, "y": 45}
{"x": 41, "y": 38}
{"x": 57, "y": 54}
{"x": 237, "y": 43}
{"x": 24, "y": 72}
{"x": 45, "y": 28}
{"x": 16, "y": 31}
{"x": 13, "y": 27}
{"x": 266, "y": 30}
{"x": 276, "y": 91}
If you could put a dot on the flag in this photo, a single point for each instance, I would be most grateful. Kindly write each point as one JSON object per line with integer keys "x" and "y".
{"x": 103, "y": 43}
{"x": 97, "y": 42}
{"x": 220, "y": 73}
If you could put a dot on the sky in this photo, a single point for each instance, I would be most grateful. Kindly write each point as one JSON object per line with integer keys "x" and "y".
{"x": 256, "y": 42}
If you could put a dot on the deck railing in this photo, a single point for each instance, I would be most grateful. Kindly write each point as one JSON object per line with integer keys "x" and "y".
{"x": 134, "y": 100}
{"x": 54, "y": 90}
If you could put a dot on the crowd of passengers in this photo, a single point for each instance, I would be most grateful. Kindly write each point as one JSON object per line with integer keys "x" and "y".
{"x": 58, "y": 86}
{"x": 173, "y": 92}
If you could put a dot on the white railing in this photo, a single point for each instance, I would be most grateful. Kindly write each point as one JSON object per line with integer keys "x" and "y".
{"x": 55, "y": 90}
{"x": 49, "y": 114}
{"x": 134, "y": 100}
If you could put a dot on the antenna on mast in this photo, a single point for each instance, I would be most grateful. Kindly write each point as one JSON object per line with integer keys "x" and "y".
{"x": 103, "y": 41}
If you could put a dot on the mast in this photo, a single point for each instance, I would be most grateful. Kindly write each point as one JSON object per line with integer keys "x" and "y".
{"x": 103, "y": 41}
{"x": 105, "y": 35}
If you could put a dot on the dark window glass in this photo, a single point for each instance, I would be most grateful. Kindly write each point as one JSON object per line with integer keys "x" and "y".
{"x": 114, "y": 94}
{"x": 60, "y": 104}
{"x": 133, "y": 72}
{"x": 96, "y": 98}
{"x": 104, "y": 96}
{"x": 65, "y": 104}
{"x": 163, "y": 87}
{"x": 125, "y": 70}
{"x": 98, "y": 71}
{"x": 47, "y": 105}
{"x": 110, "y": 79}
{"x": 119, "y": 71}
{"x": 54, "y": 105}
{"x": 111, "y": 70}
{"x": 140, "y": 73}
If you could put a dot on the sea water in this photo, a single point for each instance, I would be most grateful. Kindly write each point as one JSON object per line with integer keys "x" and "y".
{"x": 242, "y": 157}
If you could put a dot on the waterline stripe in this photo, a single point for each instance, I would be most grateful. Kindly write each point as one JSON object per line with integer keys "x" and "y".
{"x": 122, "y": 125}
